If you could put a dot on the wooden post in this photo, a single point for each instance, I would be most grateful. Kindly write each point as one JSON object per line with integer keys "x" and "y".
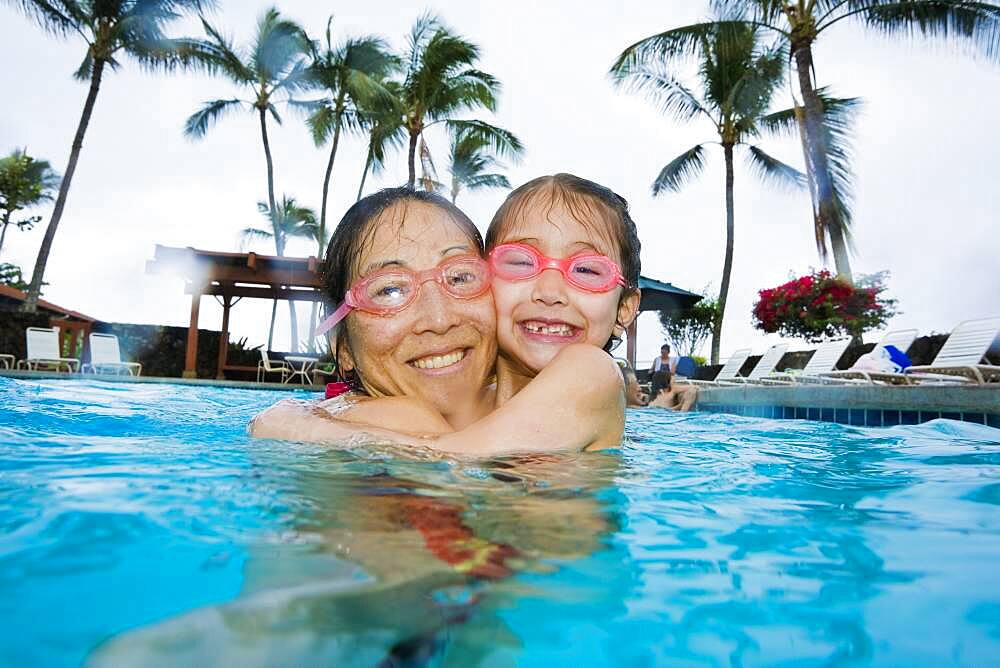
{"x": 631, "y": 334}
{"x": 224, "y": 337}
{"x": 191, "y": 359}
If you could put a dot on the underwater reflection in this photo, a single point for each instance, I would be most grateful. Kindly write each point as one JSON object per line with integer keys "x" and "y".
{"x": 393, "y": 563}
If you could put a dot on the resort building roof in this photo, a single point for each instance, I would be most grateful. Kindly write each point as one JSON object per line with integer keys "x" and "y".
{"x": 14, "y": 297}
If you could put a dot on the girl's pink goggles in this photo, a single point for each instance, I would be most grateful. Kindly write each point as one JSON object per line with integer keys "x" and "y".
{"x": 589, "y": 272}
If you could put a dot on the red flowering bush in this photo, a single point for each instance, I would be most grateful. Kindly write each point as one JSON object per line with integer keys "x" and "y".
{"x": 820, "y": 305}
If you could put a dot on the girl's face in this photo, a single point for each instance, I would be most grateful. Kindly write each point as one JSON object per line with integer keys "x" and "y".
{"x": 439, "y": 348}
{"x": 537, "y": 317}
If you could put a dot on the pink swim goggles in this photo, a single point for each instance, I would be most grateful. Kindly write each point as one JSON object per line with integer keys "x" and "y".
{"x": 391, "y": 290}
{"x": 589, "y": 272}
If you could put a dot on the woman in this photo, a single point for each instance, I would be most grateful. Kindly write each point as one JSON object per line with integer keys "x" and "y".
{"x": 403, "y": 339}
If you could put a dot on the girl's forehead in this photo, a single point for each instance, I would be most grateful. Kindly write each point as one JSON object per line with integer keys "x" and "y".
{"x": 555, "y": 224}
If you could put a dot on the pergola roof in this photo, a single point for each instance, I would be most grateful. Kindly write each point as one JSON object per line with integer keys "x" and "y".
{"x": 240, "y": 274}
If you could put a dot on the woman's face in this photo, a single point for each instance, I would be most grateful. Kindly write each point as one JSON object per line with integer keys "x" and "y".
{"x": 539, "y": 316}
{"x": 440, "y": 349}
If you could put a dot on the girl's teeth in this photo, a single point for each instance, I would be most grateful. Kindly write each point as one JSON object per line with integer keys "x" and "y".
{"x": 558, "y": 330}
{"x": 439, "y": 361}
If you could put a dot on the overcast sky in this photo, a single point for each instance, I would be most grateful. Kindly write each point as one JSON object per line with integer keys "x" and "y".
{"x": 926, "y": 194}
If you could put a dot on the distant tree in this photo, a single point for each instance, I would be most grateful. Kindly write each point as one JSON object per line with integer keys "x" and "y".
{"x": 738, "y": 76}
{"x": 133, "y": 27}
{"x": 468, "y": 162}
{"x": 274, "y": 65}
{"x": 352, "y": 75}
{"x": 10, "y": 274}
{"x": 687, "y": 329}
{"x": 798, "y": 24}
{"x": 287, "y": 220}
{"x": 24, "y": 182}
{"x": 439, "y": 81}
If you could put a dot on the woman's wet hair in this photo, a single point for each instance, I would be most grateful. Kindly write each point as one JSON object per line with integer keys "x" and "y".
{"x": 357, "y": 228}
{"x": 596, "y": 207}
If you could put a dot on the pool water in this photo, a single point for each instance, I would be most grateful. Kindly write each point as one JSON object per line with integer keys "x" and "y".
{"x": 139, "y": 525}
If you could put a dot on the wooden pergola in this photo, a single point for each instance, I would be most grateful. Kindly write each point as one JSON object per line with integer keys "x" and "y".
{"x": 229, "y": 277}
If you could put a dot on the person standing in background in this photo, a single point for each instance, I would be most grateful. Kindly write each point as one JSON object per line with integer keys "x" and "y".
{"x": 661, "y": 372}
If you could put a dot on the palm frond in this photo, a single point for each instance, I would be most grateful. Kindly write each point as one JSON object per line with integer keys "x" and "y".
{"x": 502, "y": 142}
{"x": 666, "y": 92}
{"x": 773, "y": 172}
{"x": 59, "y": 18}
{"x": 977, "y": 23}
{"x": 676, "y": 44}
{"x": 680, "y": 170}
{"x": 487, "y": 181}
{"x": 200, "y": 121}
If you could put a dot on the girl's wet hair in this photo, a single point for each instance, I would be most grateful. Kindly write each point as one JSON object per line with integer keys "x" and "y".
{"x": 599, "y": 209}
{"x": 354, "y": 233}
{"x": 356, "y": 229}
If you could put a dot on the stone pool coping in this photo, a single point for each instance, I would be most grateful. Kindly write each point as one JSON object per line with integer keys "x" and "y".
{"x": 111, "y": 378}
{"x": 865, "y": 405}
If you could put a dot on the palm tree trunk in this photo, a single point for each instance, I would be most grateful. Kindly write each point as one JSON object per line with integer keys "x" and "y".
{"x": 326, "y": 179}
{"x": 727, "y": 265}
{"x": 827, "y": 215}
{"x": 294, "y": 318}
{"x": 364, "y": 174}
{"x": 411, "y": 159}
{"x": 313, "y": 313}
{"x": 35, "y": 288}
{"x": 3, "y": 232}
{"x": 270, "y": 331}
{"x": 270, "y": 163}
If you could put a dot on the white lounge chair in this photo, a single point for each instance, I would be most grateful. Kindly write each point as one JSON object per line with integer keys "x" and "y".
{"x": 822, "y": 361}
{"x": 6, "y": 361}
{"x": 728, "y": 370}
{"x": 43, "y": 351}
{"x": 900, "y": 339}
{"x": 106, "y": 356}
{"x": 765, "y": 367}
{"x": 964, "y": 355}
{"x": 266, "y": 365}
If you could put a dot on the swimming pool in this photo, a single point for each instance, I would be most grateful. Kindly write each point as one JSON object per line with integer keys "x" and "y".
{"x": 141, "y": 526}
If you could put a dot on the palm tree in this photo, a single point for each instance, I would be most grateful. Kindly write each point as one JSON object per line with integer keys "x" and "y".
{"x": 439, "y": 81}
{"x": 273, "y": 65}
{"x": 468, "y": 163}
{"x": 383, "y": 119}
{"x": 287, "y": 220}
{"x": 24, "y": 182}
{"x": 798, "y": 24}
{"x": 352, "y": 75}
{"x": 738, "y": 77}
{"x": 132, "y": 27}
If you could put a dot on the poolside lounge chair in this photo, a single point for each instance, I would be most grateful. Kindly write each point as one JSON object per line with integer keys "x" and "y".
{"x": 900, "y": 339}
{"x": 266, "y": 365}
{"x": 106, "y": 356}
{"x": 43, "y": 351}
{"x": 765, "y": 367}
{"x": 963, "y": 355}
{"x": 6, "y": 361}
{"x": 823, "y": 360}
{"x": 729, "y": 369}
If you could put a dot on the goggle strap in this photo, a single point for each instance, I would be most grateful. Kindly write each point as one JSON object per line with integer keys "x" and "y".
{"x": 334, "y": 318}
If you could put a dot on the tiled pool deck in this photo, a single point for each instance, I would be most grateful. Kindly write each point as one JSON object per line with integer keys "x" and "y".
{"x": 871, "y": 406}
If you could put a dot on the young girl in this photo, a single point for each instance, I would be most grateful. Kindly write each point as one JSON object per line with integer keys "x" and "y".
{"x": 564, "y": 254}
